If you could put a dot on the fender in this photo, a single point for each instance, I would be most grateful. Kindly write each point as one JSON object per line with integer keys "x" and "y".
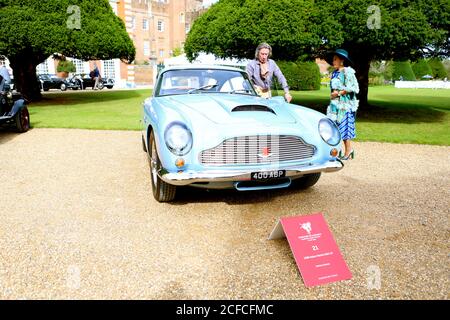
{"x": 18, "y": 104}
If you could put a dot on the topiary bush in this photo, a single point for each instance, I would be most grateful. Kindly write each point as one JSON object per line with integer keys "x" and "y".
{"x": 291, "y": 73}
{"x": 309, "y": 77}
{"x": 437, "y": 68}
{"x": 300, "y": 75}
{"x": 403, "y": 69}
{"x": 421, "y": 68}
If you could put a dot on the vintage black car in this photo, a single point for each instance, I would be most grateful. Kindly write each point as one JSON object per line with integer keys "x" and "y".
{"x": 47, "y": 82}
{"x": 82, "y": 81}
{"x": 13, "y": 110}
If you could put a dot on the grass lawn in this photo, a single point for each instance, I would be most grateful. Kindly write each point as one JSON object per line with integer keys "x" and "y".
{"x": 111, "y": 110}
{"x": 395, "y": 115}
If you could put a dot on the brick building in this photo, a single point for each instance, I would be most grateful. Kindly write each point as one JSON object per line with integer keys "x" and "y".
{"x": 157, "y": 27}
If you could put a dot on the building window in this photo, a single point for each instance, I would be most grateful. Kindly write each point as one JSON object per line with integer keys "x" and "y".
{"x": 161, "y": 53}
{"x": 145, "y": 24}
{"x": 182, "y": 19}
{"x": 132, "y": 23}
{"x": 79, "y": 65}
{"x": 160, "y": 26}
{"x": 109, "y": 69}
{"x": 146, "y": 48}
{"x": 188, "y": 27}
{"x": 42, "y": 68}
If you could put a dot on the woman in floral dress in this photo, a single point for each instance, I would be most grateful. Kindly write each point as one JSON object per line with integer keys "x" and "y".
{"x": 344, "y": 103}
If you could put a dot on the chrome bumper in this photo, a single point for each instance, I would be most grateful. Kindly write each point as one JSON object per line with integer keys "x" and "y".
{"x": 188, "y": 177}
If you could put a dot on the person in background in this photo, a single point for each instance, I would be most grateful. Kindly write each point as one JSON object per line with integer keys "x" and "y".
{"x": 261, "y": 71}
{"x": 96, "y": 76}
{"x": 344, "y": 103}
{"x": 5, "y": 78}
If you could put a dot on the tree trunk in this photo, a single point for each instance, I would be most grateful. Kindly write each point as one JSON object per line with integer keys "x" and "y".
{"x": 362, "y": 66}
{"x": 25, "y": 80}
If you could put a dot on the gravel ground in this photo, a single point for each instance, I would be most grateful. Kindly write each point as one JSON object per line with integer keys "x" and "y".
{"x": 78, "y": 221}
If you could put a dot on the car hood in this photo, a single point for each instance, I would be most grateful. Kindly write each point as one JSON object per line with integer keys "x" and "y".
{"x": 231, "y": 108}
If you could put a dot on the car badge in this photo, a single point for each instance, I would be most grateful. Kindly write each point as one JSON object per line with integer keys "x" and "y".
{"x": 265, "y": 152}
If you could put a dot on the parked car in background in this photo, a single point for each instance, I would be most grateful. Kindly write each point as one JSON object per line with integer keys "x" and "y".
{"x": 206, "y": 127}
{"x": 83, "y": 81}
{"x": 49, "y": 81}
{"x": 13, "y": 111}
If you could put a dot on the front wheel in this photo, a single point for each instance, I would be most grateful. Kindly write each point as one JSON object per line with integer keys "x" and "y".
{"x": 308, "y": 180}
{"x": 63, "y": 87}
{"x": 23, "y": 120}
{"x": 162, "y": 191}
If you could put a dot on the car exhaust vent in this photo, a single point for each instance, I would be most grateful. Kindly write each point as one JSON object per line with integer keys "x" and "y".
{"x": 253, "y": 107}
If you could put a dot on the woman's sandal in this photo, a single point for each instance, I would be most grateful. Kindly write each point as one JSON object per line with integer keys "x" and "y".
{"x": 350, "y": 155}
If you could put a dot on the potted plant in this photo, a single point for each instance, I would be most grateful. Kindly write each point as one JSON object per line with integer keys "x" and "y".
{"x": 64, "y": 67}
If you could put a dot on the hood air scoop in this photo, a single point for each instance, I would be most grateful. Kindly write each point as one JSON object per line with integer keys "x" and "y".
{"x": 253, "y": 107}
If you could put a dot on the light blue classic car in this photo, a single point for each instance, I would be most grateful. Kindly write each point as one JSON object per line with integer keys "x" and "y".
{"x": 206, "y": 127}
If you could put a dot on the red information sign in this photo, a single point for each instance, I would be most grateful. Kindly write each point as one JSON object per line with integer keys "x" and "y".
{"x": 316, "y": 253}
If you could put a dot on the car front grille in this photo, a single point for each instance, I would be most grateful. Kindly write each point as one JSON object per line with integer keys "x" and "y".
{"x": 258, "y": 149}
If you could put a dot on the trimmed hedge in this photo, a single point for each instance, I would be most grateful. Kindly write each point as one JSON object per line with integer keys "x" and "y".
{"x": 421, "y": 68}
{"x": 301, "y": 75}
{"x": 437, "y": 68}
{"x": 309, "y": 76}
{"x": 403, "y": 69}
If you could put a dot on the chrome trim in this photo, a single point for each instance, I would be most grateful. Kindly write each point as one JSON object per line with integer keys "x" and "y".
{"x": 247, "y": 150}
{"x": 189, "y": 177}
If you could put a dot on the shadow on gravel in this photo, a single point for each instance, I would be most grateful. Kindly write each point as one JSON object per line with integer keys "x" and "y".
{"x": 7, "y": 135}
{"x": 189, "y": 195}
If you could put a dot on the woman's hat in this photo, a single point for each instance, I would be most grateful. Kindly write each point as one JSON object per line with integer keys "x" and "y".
{"x": 341, "y": 53}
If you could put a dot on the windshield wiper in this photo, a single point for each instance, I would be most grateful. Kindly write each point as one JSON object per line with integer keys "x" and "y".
{"x": 208, "y": 86}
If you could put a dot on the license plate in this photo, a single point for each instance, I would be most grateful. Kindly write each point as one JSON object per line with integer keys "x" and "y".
{"x": 264, "y": 175}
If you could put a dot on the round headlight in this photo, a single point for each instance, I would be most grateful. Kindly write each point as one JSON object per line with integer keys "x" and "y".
{"x": 329, "y": 132}
{"x": 178, "y": 139}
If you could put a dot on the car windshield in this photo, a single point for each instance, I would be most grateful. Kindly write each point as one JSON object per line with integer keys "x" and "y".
{"x": 198, "y": 81}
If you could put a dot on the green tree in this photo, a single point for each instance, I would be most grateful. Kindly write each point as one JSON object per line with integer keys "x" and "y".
{"x": 403, "y": 70}
{"x": 32, "y": 30}
{"x": 369, "y": 29}
{"x": 421, "y": 68}
{"x": 437, "y": 68}
{"x": 178, "y": 51}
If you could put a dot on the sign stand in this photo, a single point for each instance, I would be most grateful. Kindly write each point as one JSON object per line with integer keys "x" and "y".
{"x": 316, "y": 253}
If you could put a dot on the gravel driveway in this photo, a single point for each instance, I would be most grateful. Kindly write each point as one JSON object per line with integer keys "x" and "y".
{"x": 78, "y": 221}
